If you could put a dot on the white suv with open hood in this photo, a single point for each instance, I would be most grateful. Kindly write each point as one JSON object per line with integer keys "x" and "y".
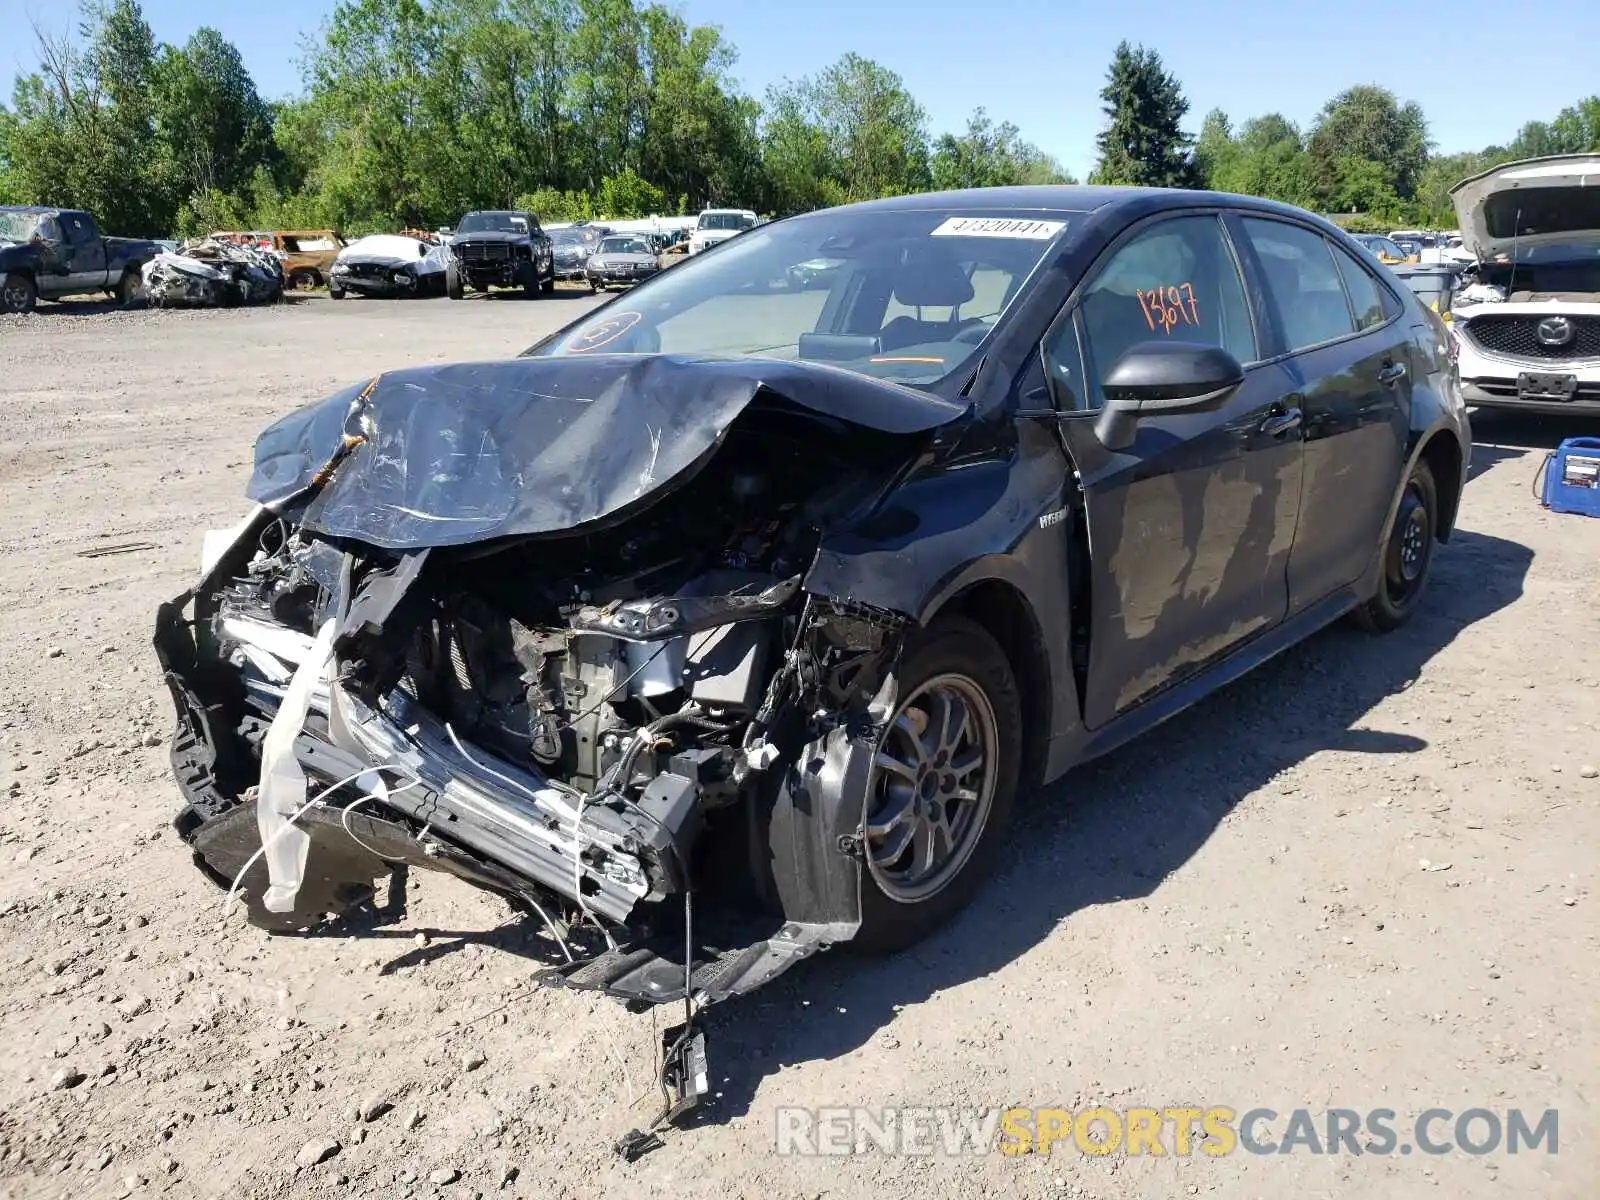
{"x": 1528, "y": 326}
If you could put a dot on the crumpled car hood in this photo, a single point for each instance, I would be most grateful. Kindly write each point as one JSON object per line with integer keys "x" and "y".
{"x": 461, "y": 453}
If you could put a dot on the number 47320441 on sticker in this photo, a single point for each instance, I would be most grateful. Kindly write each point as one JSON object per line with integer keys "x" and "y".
{"x": 1166, "y": 307}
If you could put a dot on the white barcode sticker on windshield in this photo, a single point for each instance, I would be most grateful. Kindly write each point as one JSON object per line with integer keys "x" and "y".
{"x": 999, "y": 227}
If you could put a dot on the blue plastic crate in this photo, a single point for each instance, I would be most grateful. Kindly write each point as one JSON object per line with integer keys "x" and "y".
{"x": 1572, "y": 477}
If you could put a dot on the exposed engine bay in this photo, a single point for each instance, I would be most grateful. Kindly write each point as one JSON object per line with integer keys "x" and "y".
{"x": 545, "y": 626}
{"x": 604, "y": 721}
{"x": 1573, "y": 281}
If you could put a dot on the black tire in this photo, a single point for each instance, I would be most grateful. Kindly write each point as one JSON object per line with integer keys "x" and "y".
{"x": 1406, "y": 557}
{"x": 302, "y": 279}
{"x": 130, "y": 288}
{"x": 452, "y": 282}
{"x": 549, "y": 285}
{"x": 952, "y": 650}
{"x": 596, "y": 286}
{"x": 18, "y": 294}
{"x": 335, "y": 292}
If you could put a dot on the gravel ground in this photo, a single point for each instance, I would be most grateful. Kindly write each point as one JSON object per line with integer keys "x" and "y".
{"x": 1360, "y": 878}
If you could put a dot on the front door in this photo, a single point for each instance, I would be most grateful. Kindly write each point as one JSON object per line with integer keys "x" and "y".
{"x": 1190, "y": 527}
{"x": 1350, "y": 361}
{"x": 85, "y": 253}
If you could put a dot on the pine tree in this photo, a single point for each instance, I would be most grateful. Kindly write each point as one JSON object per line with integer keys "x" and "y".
{"x": 1143, "y": 144}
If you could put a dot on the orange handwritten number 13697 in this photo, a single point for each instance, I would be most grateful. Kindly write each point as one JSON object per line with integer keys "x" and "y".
{"x": 1164, "y": 307}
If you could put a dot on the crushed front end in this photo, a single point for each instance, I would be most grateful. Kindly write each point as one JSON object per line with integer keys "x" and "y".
{"x": 627, "y": 715}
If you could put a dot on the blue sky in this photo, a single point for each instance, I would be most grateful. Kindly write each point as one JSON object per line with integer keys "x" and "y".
{"x": 1041, "y": 65}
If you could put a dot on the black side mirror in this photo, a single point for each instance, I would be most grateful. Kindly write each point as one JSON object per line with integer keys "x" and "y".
{"x": 1163, "y": 377}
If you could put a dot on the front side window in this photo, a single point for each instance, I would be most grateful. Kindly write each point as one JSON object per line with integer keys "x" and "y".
{"x": 908, "y": 295}
{"x": 1302, "y": 282}
{"x": 1175, "y": 281}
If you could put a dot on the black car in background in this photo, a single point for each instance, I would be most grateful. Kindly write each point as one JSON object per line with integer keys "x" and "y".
{"x": 500, "y": 249}
{"x": 772, "y": 604}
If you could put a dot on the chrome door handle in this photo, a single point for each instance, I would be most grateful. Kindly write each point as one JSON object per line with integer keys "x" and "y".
{"x": 1281, "y": 423}
{"x": 1392, "y": 373}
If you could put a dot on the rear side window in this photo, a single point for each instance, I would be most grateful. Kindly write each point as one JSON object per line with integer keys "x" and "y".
{"x": 1302, "y": 282}
{"x": 1175, "y": 281}
{"x": 1365, "y": 297}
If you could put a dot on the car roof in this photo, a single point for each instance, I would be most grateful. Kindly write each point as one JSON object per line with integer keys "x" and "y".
{"x": 1077, "y": 198}
{"x": 35, "y": 208}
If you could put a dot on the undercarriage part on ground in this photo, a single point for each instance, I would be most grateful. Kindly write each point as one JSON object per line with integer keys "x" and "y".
{"x": 213, "y": 274}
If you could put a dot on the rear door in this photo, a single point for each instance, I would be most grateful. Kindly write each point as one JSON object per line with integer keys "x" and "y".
{"x": 1347, "y": 351}
{"x": 1190, "y": 526}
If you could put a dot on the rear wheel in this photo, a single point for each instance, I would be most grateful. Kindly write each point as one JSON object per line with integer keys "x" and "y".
{"x": 942, "y": 786}
{"x": 303, "y": 279}
{"x": 130, "y": 288}
{"x": 1407, "y": 556}
{"x": 17, "y": 294}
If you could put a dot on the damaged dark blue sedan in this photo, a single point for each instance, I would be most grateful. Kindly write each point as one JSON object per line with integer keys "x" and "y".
{"x": 735, "y": 620}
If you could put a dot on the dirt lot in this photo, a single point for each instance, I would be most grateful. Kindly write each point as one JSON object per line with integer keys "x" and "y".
{"x": 1361, "y": 878}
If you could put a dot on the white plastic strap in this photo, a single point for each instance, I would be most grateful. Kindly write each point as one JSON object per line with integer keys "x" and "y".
{"x": 282, "y": 792}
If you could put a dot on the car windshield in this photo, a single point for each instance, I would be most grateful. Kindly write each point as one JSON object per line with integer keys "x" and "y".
{"x": 493, "y": 222}
{"x": 725, "y": 221}
{"x": 914, "y": 295}
{"x": 623, "y": 245}
{"x": 19, "y": 226}
{"x": 569, "y": 237}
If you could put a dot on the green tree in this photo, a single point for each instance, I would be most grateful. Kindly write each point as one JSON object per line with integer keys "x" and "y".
{"x": 852, "y": 133}
{"x": 1370, "y": 124}
{"x": 1143, "y": 142}
{"x": 1214, "y": 148}
{"x": 990, "y": 155}
{"x": 214, "y": 128}
{"x": 626, "y": 195}
{"x": 1576, "y": 130}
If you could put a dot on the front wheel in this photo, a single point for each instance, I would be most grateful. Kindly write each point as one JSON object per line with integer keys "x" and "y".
{"x": 452, "y": 283}
{"x": 17, "y": 294}
{"x": 942, "y": 786}
{"x": 596, "y": 286}
{"x": 1407, "y": 555}
{"x": 335, "y": 292}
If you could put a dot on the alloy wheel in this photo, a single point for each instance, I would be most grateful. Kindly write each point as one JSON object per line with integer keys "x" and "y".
{"x": 932, "y": 788}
